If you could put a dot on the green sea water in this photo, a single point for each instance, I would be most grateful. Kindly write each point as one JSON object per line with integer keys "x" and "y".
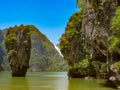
{"x": 48, "y": 81}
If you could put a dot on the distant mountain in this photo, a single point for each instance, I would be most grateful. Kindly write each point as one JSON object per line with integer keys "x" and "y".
{"x": 2, "y": 52}
{"x": 44, "y": 56}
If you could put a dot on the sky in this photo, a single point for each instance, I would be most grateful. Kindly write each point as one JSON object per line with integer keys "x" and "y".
{"x": 49, "y": 16}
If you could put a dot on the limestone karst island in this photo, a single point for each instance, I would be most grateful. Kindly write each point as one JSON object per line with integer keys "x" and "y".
{"x": 60, "y": 45}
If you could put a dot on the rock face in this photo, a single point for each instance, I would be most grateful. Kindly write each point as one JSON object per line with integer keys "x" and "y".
{"x": 74, "y": 49}
{"x": 87, "y": 43}
{"x": 87, "y": 51}
{"x": 96, "y": 28}
{"x": 18, "y": 45}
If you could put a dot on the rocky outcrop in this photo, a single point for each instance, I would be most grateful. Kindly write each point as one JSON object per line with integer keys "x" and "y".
{"x": 96, "y": 27}
{"x": 18, "y": 45}
{"x": 95, "y": 58}
{"x": 73, "y": 47}
{"x": 70, "y": 44}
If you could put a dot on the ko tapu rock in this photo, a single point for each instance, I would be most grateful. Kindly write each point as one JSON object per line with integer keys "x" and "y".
{"x": 18, "y": 46}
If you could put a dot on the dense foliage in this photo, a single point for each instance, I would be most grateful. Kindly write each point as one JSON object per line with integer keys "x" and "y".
{"x": 114, "y": 38}
{"x": 71, "y": 31}
{"x": 115, "y": 28}
{"x": 80, "y": 3}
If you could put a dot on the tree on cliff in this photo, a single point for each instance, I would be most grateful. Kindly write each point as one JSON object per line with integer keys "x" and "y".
{"x": 114, "y": 38}
{"x": 116, "y": 23}
{"x": 18, "y": 45}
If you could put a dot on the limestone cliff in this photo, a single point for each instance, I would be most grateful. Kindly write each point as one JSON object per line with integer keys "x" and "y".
{"x": 96, "y": 27}
{"x": 74, "y": 48}
{"x": 96, "y": 58}
{"x": 91, "y": 38}
{"x": 18, "y": 45}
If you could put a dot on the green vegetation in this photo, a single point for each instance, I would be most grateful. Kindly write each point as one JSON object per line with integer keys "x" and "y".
{"x": 90, "y": 6}
{"x": 80, "y": 3}
{"x": 18, "y": 46}
{"x": 118, "y": 67}
{"x": 75, "y": 44}
{"x": 93, "y": 4}
{"x": 115, "y": 22}
{"x": 12, "y": 52}
{"x": 10, "y": 41}
{"x": 114, "y": 39}
{"x": 82, "y": 64}
{"x": 72, "y": 30}
{"x": 73, "y": 47}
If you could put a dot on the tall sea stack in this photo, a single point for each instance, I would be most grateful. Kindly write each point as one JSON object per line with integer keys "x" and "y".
{"x": 18, "y": 46}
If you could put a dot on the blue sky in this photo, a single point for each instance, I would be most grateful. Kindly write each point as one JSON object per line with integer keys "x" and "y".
{"x": 49, "y": 16}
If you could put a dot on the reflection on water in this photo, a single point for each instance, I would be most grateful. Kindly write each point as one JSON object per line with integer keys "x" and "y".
{"x": 47, "y": 81}
{"x": 82, "y": 84}
{"x": 13, "y": 83}
{"x": 16, "y": 83}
